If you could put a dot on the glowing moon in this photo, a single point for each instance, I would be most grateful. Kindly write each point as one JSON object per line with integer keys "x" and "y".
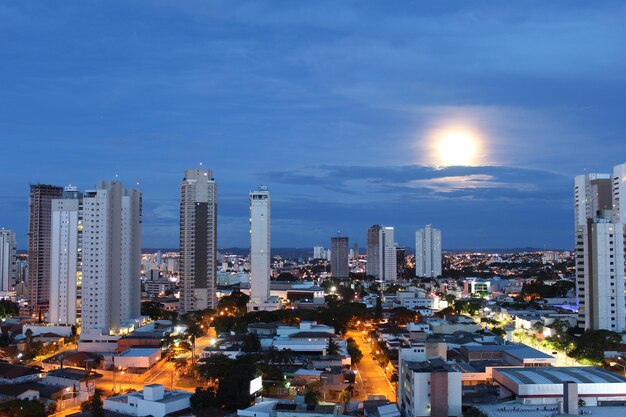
{"x": 456, "y": 148}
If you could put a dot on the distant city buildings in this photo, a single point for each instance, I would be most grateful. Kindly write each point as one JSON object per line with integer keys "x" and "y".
{"x": 600, "y": 239}
{"x": 428, "y": 252}
{"x": 339, "y": 257}
{"x": 66, "y": 258}
{"x": 8, "y": 260}
{"x": 260, "y": 257}
{"x": 198, "y": 240}
{"x": 111, "y": 258}
{"x": 39, "y": 242}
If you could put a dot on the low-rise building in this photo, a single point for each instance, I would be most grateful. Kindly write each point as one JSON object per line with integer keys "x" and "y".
{"x": 140, "y": 359}
{"x": 154, "y": 400}
{"x": 17, "y": 374}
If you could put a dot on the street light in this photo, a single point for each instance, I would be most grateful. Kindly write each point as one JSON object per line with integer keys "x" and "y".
{"x": 619, "y": 364}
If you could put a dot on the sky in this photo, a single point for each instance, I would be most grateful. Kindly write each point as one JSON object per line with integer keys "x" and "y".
{"x": 470, "y": 116}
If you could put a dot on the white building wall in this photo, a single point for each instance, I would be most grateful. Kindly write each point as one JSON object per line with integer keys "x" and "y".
{"x": 260, "y": 261}
{"x": 8, "y": 260}
{"x": 428, "y": 252}
{"x": 619, "y": 193}
{"x": 390, "y": 259}
{"x": 111, "y": 258}
{"x": 64, "y": 266}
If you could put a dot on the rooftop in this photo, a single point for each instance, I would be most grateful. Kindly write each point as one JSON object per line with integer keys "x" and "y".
{"x": 75, "y": 374}
{"x": 139, "y": 352}
{"x": 559, "y": 375}
{"x": 10, "y": 371}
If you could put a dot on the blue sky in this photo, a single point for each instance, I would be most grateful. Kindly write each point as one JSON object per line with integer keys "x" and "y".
{"x": 333, "y": 105}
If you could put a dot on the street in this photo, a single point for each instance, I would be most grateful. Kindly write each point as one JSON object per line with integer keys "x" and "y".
{"x": 371, "y": 378}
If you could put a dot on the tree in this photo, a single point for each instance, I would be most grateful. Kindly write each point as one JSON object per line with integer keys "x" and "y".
{"x": 378, "y": 309}
{"x": 251, "y": 343}
{"x": 333, "y": 347}
{"x": 354, "y": 351}
{"x": 22, "y": 408}
{"x": 203, "y": 398}
{"x": 8, "y": 309}
{"x": 286, "y": 276}
{"x": 215, "y": 367}
{"x": 312, "y": 397}
{"x": 94, "y": 405}
{"x": 234, "y": 388}
{"x": 473, "y": 412}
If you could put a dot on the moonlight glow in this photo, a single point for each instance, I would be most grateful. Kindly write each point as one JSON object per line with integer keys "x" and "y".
{"x": 456, "y": 148}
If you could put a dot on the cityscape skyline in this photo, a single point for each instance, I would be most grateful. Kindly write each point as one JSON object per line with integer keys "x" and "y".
{"x": 377, "y": 115}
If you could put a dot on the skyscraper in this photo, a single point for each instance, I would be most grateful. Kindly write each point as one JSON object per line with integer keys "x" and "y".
{"x": 39, "y": 228}
{"x": 401, "y": 261}
{"x": 381, "y": 253}
{"x": 339, "y": 258}
{"x": 198, "y": 240}
{"x": 111, "y": 291}
{"x": 389, "y": 256}
{"x": 600, "y": 240}
{"x": 8, "y": 260}
{"x": 374, "y": 259}
{"x": 66, "y": 258}
{"x": 260, "y": 258}
{"x": 428, "y": 252}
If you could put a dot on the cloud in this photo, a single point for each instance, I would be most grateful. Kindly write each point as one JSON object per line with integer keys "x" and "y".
{"x": 480, "y": 183}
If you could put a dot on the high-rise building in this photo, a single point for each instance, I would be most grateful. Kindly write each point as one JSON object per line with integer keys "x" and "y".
{"x": 319, "y": 252}
{"x": 600, "y": 239}
{"x": 66, "y": 258}
{"x": 8, "y": 260}
{"x": 428, "y": 252}
{"x": 39, "y": 229}
{"x": 401, "y": 261}
{"x": 260, "y": 257}
{"x": 111, "y": 291}
{"x": 374, "y": 251}
{"x": 381, "y": 253}
{"x": 198, "y": 240}
{"x": 390, "y": 266}
{"x": 339, "y": 259}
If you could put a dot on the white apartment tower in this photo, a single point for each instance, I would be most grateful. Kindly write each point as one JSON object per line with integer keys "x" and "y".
{"x": 389, "y": 255}
{"x": 111, "y": 291}
{"x": 8, "y": 260}
{"x": 198, "y": 240}
{"x": 66, "y": 258}
{"x": 600, "y": 240}
{"x": 428, "y": 252}
{"x": 260, "y": 245}
{"x": 381, "y": 253}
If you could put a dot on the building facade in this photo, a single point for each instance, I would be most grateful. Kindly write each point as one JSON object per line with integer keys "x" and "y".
{"x": 389, "y": 255}
{"x": 374, "y": 256}
{"x": 8, "y": 260}
{"x": 111, "y": 291}
{"x": 339, "y": 257}
{"x": 428, "y": 252}
{"x": 198, "y": 240}
{"x": 600, "y": 249}
{"x": 66, "y": 258}
{"x": 260, "y": 245}
{"x": 39, "y": 241}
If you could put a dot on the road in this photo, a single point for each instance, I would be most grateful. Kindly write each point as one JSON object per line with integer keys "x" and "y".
{"x": 371, "y": 378}
{"x": 163, "y": 373}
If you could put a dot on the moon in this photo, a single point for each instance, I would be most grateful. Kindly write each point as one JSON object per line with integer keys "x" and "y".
{"x": 456, "y": 148}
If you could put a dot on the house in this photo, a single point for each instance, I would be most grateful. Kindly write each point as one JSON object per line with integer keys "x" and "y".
{"x": 16, "y": 374}
{"x": 81, "y": 382}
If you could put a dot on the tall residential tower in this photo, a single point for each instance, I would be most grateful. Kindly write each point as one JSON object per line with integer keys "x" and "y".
{"x": 428, "y": 252}
{"x": 66, "y": 258}
{"x": 39, "y": 241}
{"x": 260, "y": 259}
{"x": 8, "y": 260}
{"x": 339, "y": 257}
{"x": 600, "y": 241}
{"x": 198, "y": 240}
{"x": 111, "y": 290}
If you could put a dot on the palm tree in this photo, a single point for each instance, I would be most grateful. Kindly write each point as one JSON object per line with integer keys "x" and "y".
{"x": 333, "y": 347}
